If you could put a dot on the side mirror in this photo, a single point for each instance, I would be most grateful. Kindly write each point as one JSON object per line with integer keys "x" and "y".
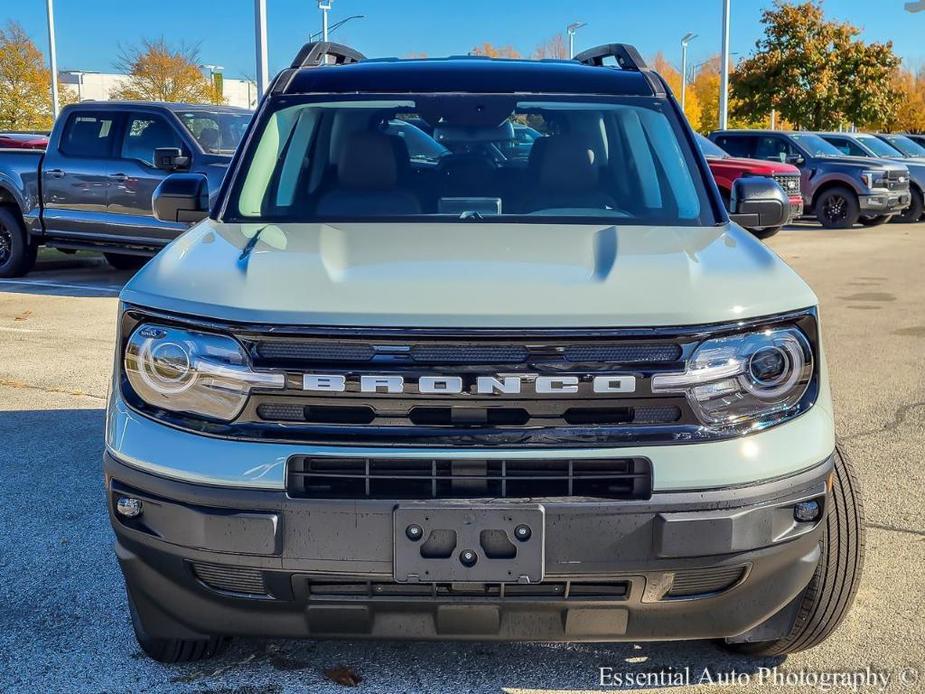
{"x": 759, "y": 203}
{"x": 182, "y": 198}
{"x": 170, "y": 159}
{"x": 796, "y": 160}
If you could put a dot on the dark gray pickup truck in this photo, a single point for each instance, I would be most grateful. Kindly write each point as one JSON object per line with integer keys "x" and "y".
{"x": 92, "y": 187}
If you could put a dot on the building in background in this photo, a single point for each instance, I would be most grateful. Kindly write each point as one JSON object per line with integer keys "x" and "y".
{"x": 97, "y": 86}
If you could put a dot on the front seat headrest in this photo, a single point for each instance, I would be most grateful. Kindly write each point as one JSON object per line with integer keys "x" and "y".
{"x": 368, "y": 161}
{"x": 567, "y": 163}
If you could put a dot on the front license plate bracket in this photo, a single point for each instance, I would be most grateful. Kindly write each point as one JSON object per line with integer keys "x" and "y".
{"x": 469, "y": 544}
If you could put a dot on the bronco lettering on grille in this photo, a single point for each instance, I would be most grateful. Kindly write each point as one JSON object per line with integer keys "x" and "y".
{"x": 484, "y": 385}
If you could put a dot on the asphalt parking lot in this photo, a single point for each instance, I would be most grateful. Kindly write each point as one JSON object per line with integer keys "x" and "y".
{"x": 63, "y": 620}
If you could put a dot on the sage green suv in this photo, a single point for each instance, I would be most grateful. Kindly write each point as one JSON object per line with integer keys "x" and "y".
{"x": 397, "y": 384}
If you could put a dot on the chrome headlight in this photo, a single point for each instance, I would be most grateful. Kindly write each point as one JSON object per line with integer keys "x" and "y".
{"x": 757, "y": 376}
{"x": 197, "y": 373}
{"x": 874, "y": 179}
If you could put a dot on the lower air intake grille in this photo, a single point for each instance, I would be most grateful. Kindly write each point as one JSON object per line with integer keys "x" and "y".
{"x": 371, "y": 590}
{"x": 231, "y": 579}
{"x": 395, "y": 478}
{"x": 704, "y": 581}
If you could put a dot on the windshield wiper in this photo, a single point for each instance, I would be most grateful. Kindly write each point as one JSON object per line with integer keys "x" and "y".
{"x": 471, "y": 216}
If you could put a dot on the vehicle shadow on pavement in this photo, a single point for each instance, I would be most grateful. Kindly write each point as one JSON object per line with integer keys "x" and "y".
{"x": 64, "y": 625}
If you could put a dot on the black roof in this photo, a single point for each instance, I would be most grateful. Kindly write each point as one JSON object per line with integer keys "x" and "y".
{"x": 468, "y": 74}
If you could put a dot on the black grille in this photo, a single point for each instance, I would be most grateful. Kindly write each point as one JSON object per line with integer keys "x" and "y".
{"x": 704, "y": 581}
{"x": 231, "y": 579}
{"x": 348, "y": 589}
{"x": 398, "y": 478}
{"x": 789, "y": 182}
{"x": 309, "y": 351}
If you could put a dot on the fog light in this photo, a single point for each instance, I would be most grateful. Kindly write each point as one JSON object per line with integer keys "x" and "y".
{"x": 128, "y": 507}
{"x": 807, "y": 511}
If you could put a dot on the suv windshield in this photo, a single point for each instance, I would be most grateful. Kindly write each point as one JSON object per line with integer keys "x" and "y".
{"x": 879, "y": 147}
{"x": 458, "y": 157}
{"x": 908, "y": 147}
{"x": 816, "y": 146}
{"x": 217, "y": 132}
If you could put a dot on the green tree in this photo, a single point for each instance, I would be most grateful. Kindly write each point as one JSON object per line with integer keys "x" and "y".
{"x": 157, "y": 72}
{"x": 25, "y": 82}
{"x": 815, "y": 72}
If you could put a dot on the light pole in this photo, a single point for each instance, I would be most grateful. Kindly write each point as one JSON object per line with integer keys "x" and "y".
{"x": 684, "y": 43}
{"x": 334, "y": 27}
{"x": 260, "y": 29}
{"x": 571, "y": 29}
{"x": 52, "y": 57}
{"x": 724, "y": 79}
{"x": 325, "y": 7}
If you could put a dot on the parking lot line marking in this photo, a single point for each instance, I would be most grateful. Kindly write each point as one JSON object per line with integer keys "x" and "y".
{"x": 17, "y": 330}
{"x": 60, "y": 285}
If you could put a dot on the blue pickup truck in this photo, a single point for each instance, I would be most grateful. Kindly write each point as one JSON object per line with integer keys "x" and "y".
{"x": 91, "y": 188}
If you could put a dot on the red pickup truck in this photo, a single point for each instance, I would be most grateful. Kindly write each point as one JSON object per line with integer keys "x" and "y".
{"x": 727, "y": 169}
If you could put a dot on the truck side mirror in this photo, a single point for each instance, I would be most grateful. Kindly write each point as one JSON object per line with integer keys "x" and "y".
{"x": 182, "y": 198}
{"x": 759, "y": 203}
{"x": 170, "y": 159}
{"x": 796, "y": 160}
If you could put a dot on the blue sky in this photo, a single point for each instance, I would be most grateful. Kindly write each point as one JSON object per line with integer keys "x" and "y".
{"x": 90, "y": 32}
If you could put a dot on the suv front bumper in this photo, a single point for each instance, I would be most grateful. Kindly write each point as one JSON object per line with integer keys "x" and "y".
{"x": 681, "y": 565}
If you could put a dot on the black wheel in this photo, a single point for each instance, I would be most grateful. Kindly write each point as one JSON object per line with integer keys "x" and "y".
{"x": 914, "y": 212}
{"x": 830, "y": 593}
{"x": 765, "y": 233}
{"x": 123, "y": 261}
{"x": 17, "y": 252}
{"x": 876, "y": 221}
{"x": 838, "y": 208}
{"x": 175, "y": 650}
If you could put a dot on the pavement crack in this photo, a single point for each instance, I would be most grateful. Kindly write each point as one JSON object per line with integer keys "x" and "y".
{"x": 899, "y": 418}
{"x": 19, "y": 385}
{"x": 894, "y": 529}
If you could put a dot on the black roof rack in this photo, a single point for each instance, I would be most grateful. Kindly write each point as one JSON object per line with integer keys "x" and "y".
{"x": 317, "y": 53}
{"x": 627, "y": 57}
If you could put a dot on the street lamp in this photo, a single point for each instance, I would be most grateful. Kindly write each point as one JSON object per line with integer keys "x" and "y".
{"x": 724, "y": 78}
{"x": 334, "y": 27}
{"x": 260, "y": 29}
{"x": 684, "y": 43}
{"x": 52, "y": 57}
{"x": 325, "y": 7}
{"x": 571, "y": 29}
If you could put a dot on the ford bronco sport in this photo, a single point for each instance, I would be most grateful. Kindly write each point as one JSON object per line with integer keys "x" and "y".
{"x": 457, "y": 395}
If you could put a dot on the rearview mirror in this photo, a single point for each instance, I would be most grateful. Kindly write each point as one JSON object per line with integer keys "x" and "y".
{"x": 170, "y": 159}
{"x": 759, "y": 203}
{"x": 182, "y": 198}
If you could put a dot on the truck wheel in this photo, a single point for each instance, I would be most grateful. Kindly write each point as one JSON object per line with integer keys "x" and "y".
{"x": 876, "y": 221}
{"x": 765, "y": 233}
{"x": 838, "y": 208}
{"x": 124, "y": 261}
{"x": 17, "y": 252}
{"x": 174, "y": 650}
{"x": 913, "y": 213}
{"x": 830, "y": 593}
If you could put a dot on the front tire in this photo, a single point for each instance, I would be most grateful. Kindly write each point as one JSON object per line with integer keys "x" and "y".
{"x": 876, "y": 221}
{"x": 830, "y": 593}
{"x": 17, "y": 252}
{"x": 125, "y": 261}
{"x": 174, "y": 650}
{"x": 838, "y": 208}
{"x": 914, "y": 212}
{"x": 765, "y": 233}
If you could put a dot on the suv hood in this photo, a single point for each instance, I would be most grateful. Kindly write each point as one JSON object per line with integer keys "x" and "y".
{"x": 468, "y": 275}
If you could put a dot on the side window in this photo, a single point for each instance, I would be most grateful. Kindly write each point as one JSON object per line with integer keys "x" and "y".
{"x": 738, "y": 145}
{"x": 143, "y": 134}
{"x": 773, "y": 149}
{"x": 88, "y": 135}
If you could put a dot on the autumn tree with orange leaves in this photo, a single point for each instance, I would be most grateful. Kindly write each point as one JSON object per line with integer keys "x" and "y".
{"x": 157, "y": 72}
